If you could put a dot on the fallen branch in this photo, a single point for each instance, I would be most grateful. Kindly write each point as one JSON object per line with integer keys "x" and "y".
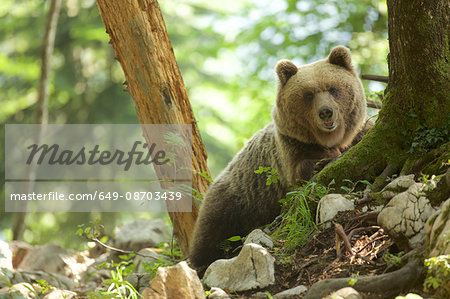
{"x": 340, "y": 232}
{"x": 384, "y": 79}
{"x": 373, "y": 104}
{"x": 388, "y": 284}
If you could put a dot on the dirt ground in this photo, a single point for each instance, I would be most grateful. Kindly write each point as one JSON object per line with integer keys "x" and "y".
{"x": 319, "y": 259}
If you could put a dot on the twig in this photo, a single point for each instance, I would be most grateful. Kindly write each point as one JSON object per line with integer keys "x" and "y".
{"x": 340, "y": 231}
{"x": 378, "y": 78}
{"x": 361, "y": 229}
{"x": 385, "y": 283}
{"x": 373, "y": 104}
{"x": 371, "y": 214}
{"x": 119, "y": 250}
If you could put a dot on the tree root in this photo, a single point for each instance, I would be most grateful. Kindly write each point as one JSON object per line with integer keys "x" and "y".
{"x": 388, "y": 284}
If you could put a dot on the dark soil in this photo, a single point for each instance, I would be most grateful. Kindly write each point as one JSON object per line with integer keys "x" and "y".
{"x": 319, "y": 259}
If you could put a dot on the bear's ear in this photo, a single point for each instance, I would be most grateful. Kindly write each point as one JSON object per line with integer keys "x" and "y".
{"x": 285, "y": 69}
{"x": 341, "y": 56}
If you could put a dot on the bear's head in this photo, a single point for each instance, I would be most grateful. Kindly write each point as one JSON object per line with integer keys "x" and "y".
{"x": 322, "y": 102}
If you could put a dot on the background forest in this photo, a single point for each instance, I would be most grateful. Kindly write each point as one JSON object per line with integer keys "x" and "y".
{"x": 226, "y": 52}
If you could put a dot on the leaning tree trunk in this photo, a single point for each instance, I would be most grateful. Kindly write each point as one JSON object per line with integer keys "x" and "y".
{"x": 142, "y": 46}
{"x": 416, "y": 107}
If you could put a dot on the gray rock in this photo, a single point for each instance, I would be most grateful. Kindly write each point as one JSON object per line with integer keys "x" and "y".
{"x": 404, "y": 217}
{"x": 52, "y": 258}
{"x": 139, "y": 281}
{"x": 291, "y": 292}
{"x": 257, "y": 236}
{"x": 398, "y": 185}
{"x": 61, "y": 294}
{"x": 252, "y": 268}
{"x": 55, "y": 280}
{"x": 438, "y": 231}
{"x": 23, "y": 288}
{"x": 218, "y": 293}
{"x": 344, "y": 293}
{"x": 330, "y": 205}
{"x": 5, "y": 256}
{"x": 141, "y": 233}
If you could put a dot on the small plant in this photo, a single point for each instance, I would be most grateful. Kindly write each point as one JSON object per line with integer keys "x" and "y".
{"x": 424, "y": 139}
{"x": 91, "y": 231}
{"x": 6, "y": 276}
{"x": 352, "y": 280}
{"x": 393, "y": 259}
{"x": 351, "y": 186}
{"x": 438, "y": 274}
{"x": 229, "y": 244}
{"x": 118, "y": 287}
{"x": 297, "y": 223}
{"x": 44, "y": 286}
{"x": 272, "y": 174}
{"x": 269, "y": 296}
{"x": 152, "y": 266}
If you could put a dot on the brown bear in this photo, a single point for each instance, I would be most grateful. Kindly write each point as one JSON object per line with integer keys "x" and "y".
{"x": 320, "y": 111}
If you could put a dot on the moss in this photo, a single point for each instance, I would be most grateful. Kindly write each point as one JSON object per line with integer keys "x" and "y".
{"x": 377, "y": 197}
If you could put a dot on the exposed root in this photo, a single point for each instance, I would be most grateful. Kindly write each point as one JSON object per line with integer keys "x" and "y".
{"x": 388, "y": 284}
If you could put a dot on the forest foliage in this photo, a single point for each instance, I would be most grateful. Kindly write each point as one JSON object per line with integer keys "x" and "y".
{"x": 226, "y": 52}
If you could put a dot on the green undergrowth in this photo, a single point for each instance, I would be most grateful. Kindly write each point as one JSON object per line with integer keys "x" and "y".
{"x": 297, "y": 221}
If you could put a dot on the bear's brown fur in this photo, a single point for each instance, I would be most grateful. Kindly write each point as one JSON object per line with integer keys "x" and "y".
{"x": 320, "y": 108}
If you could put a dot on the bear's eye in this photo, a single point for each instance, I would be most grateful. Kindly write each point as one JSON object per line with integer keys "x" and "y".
{"x": 333, "y": 91}
{"x": 309, "y": 95}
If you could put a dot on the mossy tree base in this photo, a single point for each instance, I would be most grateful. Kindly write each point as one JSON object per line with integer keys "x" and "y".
{"x": 416, "y": 100}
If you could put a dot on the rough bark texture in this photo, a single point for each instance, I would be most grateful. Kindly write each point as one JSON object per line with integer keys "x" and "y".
{"x": 142, "y": 46}
{"x": 417, "y": 92}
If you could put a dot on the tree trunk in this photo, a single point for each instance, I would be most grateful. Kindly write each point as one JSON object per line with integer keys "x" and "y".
{"x": 416, "y": 107}
{"x": 142, "y": 46}
{"x": 48, "y": 43}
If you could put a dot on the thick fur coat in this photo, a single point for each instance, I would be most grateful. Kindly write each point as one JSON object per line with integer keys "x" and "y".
{"x": 320, "y": 111}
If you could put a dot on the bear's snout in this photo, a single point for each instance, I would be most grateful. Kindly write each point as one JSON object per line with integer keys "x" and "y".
{"x": 326, "y": 113}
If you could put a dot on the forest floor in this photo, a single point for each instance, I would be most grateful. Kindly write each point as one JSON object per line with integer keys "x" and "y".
{"x": 374, "y": 254}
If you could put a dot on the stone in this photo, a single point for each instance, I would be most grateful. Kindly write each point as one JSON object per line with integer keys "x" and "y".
{"x": 150, "y": 257}
{"x": 291, "y": 292}
{"x": 139, "y": 281}
{"x": 19, "y": 250}
{"x": 23, "y": 288}
{"x": 404, "y": 217}
{"x": 55, "y": 280}
{"x": 52, "y": 258}
{"x": 177, "y": 281}
{"x": 438, "y": 231}
{"x": 6, "y": 256}
{"x": 400, "y": 184}
{"x": 218, "y": 293}
{"x": 344, "y": 293}
{"x": 257, "y": 236}
{"x": 141, "y": 233}
{"x": 253, "y": 268}
{"x": 60, "y": 294}
{"x": 330, "y": 205}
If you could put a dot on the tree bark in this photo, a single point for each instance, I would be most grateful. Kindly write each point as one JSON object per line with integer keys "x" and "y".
{"x": 141, "y": 43}
{"x": 416, "y": 96}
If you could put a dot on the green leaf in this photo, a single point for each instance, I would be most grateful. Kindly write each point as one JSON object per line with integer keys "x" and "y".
{"x": 234, "y": 238}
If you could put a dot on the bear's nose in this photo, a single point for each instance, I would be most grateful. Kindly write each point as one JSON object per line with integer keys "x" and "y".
{"x": 325, "y": 113}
